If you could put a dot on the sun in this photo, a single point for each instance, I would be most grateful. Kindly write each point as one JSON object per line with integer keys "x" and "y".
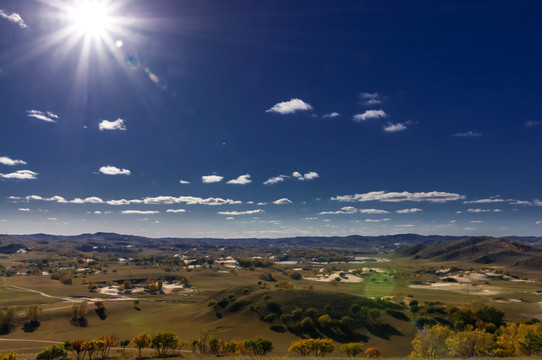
{"x": 90, "y": 18}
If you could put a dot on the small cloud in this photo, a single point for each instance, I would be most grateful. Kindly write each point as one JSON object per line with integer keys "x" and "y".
{"x": 184, "y": 182}
{"x": 533, "y": 123}
{"x": 123, "y": 202}
{"x": 377, "y": 220}
{"x": 208, "y": 179}
{"x": 485, "y": 201}
{"x": 4, "y": 160}
{"x": 52, "y": 219}
{"x": 46, "y": 116}
{"x": 467, "y": 134}
{"x": 235, "y": 213}
{"x": 408, "y": 211}
{"x": 394, "y": 127}
{"x": 261, "y": 204}
{"x": 241, "y": 180}
{"x": 290, "y": 107}
{"x": 369, "y": 99}
{"x": 370, "y": 114}
{"x": 21, "y": 175}
{"x": 282, "y": 201}
{"x": 373, "y": 211}
{"x": 383, "y": 196}
{"x": 175, "y": 210}
{"x": 308, "y": 176}
{"x": 139, "y": 212}
{"x": 344, "y": 210}
{"x": 14, "y": 18}
{"x": 112, "y": 125}
{"x": 275, "y": 180}
{"x": 23, "y": 209}
{"x": 476, "y": 221}
{"x": 539, "y": 222}
{"x": 189, "y": 200}
{"x": 112, "y": 170}
{"x": 469, "y": 228}
{"x": 331, "y": 115}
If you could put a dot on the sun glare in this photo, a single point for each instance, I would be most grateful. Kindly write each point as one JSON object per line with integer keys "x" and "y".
{"x": 91, "y": 18}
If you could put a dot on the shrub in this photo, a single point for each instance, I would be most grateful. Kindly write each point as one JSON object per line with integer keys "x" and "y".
{"x": 373, "y": 352}
{"x": 52, "y": 353}
{"x": 352, "y": 349}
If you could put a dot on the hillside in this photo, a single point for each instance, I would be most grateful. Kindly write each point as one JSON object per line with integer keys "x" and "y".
{"x": 480, "y": 250}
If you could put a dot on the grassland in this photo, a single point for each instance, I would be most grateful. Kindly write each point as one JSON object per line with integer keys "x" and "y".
{"x": 185, "y": 311}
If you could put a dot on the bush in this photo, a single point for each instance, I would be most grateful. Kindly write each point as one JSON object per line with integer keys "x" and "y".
{"x": 52, "y": 353}
{"x": 352, "y": 349}
{"x": 258, "y": 346}
{"x": 373, "y": 352}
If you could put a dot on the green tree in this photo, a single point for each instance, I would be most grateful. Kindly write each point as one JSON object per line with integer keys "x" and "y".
{"x": 141, "y": 341}
{"x": 215, "y": 345}
{"x": 52, "y": 353}
{"x": 258, "y": 346}
{"x": 352, "y": 349}
{"x": 163, "y": 342}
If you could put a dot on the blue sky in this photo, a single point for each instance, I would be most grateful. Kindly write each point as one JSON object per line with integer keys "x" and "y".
{"x": 270, "y": 118}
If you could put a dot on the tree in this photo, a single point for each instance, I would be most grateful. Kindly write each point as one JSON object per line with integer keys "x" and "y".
{"x": 373, "y": 352}
{"x": 532, "y": 343}
{"x": 12, "y": 355}
{"x": 79, "y": 311}
{"x": 203, "y": 341}
{"x": 109, "y": 341}
{"x": 470, "y": 343}
{"x": 141, "y": 341}
{"x": 214, "y": 345}
{"x": 91, "y": 347}
{"x": 323, "y": 347}
{"x": 431, "y": 342}
{"x": 52, "y": 353}
{"x": 258, "y": 346}
{"x": 352, "y": 349}
{"x": 127, "y": 285}
{"x": 303, "y": 347}
{"x": 33, "y": 313}
{"x": 75, "y": 347}
{"x": 163, "y": 342}
{"x": 123, "y": 344}
{"x": 491, "y": 314}
{"x": 324, "y": 321}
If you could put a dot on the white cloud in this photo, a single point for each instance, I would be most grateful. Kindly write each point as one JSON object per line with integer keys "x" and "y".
{"x": 282, "y": 201}
{"x": 377, "y": 220}
{"x": 97, "y": 212}
{"x": 308, "y": 176}
{"x": 4, "y": 160}
{"x": 184, "y": 182}
{"x": 235, "y": 213}
{"x": 21, "y": 175}
{"x": 112, "y": 170}
{"x": 261, "y": 204}
{"x": 485, "y": 201}
{"x": 289, "y": 107}
{"x": 408, "y": 211}
{"x": 123, "y": 202}
{"x": 369, "y": 99}
{"x": 394, "y": 127}
{"x": 483, "y": 210}
{"x": 189, "y": 200}
{"x": 331, "y": 115}
{"x": 23, "y": 209}
{"x": 469, "y": 228}
{"x": 370, "y": 114}
{"x": 539, "y": 222}
{"x": 344, "y": 210}
{"x": 112, "y": 125}
{"x": 383, "y": 196}
{"x": 275, "y": 180}
{"x": 88, "y": 200}
{"x": 46, "y": 116}
{"x": 208, "y": 179}
{"x": 52, "y": 219}
{"x": 467, "y": 134}
{"x": 175, "y": 210}
{"x": 373, "y": 211}
{"x": 13, "y": 17}
{"x": 241, "y": 180}
{"x": 140, "y": 212}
